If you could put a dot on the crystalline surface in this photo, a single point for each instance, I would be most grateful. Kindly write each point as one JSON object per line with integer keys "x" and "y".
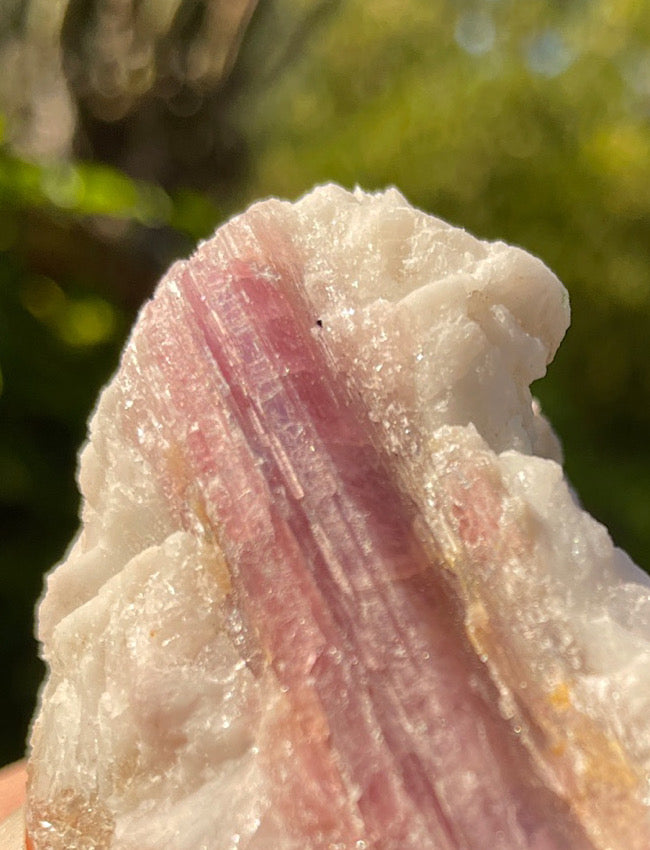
{"x": 331, "y": 589}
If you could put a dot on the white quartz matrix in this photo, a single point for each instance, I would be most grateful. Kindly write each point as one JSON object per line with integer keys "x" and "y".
{"x": 156, "y": 727}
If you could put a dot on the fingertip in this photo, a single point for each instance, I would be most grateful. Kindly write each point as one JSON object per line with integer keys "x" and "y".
{"x": 13, "y": 780}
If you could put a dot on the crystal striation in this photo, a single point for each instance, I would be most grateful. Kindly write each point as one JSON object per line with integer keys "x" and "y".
{"x": 331, "y": 588}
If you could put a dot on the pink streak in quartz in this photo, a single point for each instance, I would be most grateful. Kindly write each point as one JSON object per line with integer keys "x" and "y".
{"x": 329, "y": 579}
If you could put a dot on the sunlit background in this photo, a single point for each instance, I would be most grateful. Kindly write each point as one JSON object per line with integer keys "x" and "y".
{"x": 129, "y": 130}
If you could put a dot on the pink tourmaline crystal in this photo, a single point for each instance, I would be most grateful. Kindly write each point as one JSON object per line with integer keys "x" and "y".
{"x": 331, "y": 590}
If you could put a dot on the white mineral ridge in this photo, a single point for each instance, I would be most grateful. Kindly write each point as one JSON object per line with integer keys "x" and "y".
{"x": 149, "y": 716}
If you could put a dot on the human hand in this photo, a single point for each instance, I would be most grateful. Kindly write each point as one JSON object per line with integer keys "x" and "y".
{"x": 12, "y": 797}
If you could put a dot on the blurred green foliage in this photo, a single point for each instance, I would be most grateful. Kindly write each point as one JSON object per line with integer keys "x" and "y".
{"x": 528, "y": 122}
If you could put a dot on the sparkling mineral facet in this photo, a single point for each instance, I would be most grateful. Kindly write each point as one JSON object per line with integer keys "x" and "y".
{"x": 331, "y": 589}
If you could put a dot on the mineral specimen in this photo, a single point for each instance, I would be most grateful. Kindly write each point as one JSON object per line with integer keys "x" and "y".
{"x": 331, "y": 588}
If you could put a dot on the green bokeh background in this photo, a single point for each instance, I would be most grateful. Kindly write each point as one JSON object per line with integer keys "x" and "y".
{"x": 523, "y": 121}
